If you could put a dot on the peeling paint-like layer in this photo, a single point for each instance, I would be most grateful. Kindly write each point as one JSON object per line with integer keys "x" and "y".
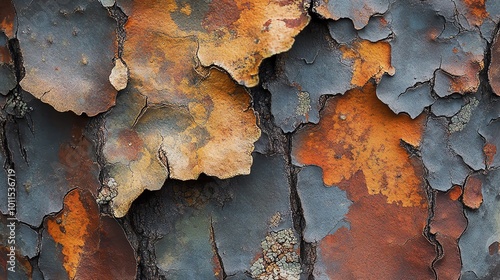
{"x": 447, "y": 225}
{"x": 480, "y": 255}
{"x": 68, "y": 50}
{"x": 8, "y": 27}
{"x": 86, "y": 245}
{"x": 45, "y": 175}
{"x": 319, "y": 65}
{"x": 235, "y": 35}
{"x": 359, "y": 11}
{"x": 324, "y": 207}
{"x": 358, "y": 145}
{"x": 384, "y": 232}
{"x": 219, "y": 224}
{"x": 421, "y": 52}
{"x": 358, "y": 132}
{"x": 494, "y": 70}
{"x": 174, "y": 119}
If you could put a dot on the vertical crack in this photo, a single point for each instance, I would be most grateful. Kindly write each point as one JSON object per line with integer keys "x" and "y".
{"x": 307, "y": 250}
{"x": 431, "y": 199}
{"x": 215, "y": 250}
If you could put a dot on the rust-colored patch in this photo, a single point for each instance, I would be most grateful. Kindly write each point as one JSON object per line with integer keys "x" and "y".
{"x": 455, "y": 193}
{"x": 476, "y": 11}
{"x": 385, "y": 241}
{"x": 7, "y": 18}
{"x": 93, "y": 246}
{"x": 473, "y": 195}
{"x": 229, "y": 33}
{"x": 370, "y": 60}
{"x": 78, "y": 160}
{"x": 23, "y": 268}
{"x": 111, "y": 257}
{"x": 490, "y": 150}
{"x": 73, "y": 226}
{"x": 372, "y": 133}
{"x": 222, "y": 14}
{"x": 181, "y": 114}
{"x": 468, "y": 81}
{"x": 448, "y": 224}
{"x": 127, "y": 147}
{"x": 5, "y": 56}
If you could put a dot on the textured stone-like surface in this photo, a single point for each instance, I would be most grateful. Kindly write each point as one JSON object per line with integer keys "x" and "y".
{"x": 68, "y": 50}
{"x": 44, "y": 176}
{"x": 357, "y": 152}
{"x": 419, "y": 48}
{"x": 318, "y": 65}
{"x": 494, "y": 70}
{"x": 173, "y": 121}
{"x": 359, "y": 11}
{"x": 479, "y": 243}
{"x": 235, "y": 35}
{"x": 359, "y": 132}
{"x": 86, "y": 245}
{"x": 447, "y": 225}
{"x": 202, "y": 221}
{"x": 8, "y": 28}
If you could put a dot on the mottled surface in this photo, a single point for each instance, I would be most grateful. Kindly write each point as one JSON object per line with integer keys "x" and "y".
{"x": 68, "y": 52}
{"x": 367, "y": 147}
{"x": 235, "y": 35}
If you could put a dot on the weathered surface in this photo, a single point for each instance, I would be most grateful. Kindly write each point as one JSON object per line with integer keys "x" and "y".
{"x": 358, "y": 152}
{"x": 422, "y": 52}
{"x": 358, "y": 11}
{"x": 324, "y": 207}
{"x": 318, "y": 65}
{"x": 68, "y": 50}
{"x": 8, "y": 27}
{"x": 397, "y": 180}
{"x": 235, "y": 35}
{"x": 44, "y": 176}
{"x": 447, "y": 225}
{"x": 479, "y": 243}
{"x": 494, "y": 70}
{"x": 86, "y": 245}
{"x": 198, "y": 226}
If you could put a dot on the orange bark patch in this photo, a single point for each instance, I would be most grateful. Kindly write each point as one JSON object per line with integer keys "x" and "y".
{"x": 473, "y": 196}
{"x": 385, "y": 241}
{"x": 72, "y": 227}
{"x": 93, "y": 247}
{"x": 371, "y": 133}
{"x": 229, "y": 32}
{"x": 490, "y": 150}
{"x": 7, "y": 18}
{"x": 448, "y": 224}
{"x": 476, "y": 11}
{"x": 174, "y": 119}
{"x": 370, "y": 60}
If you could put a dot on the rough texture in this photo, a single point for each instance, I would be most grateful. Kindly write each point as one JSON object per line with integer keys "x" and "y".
{"x": 85, "y": 243}
{"x": 62, "y": 67}
{"x": 367, "y": 148}
{"x": 357, "y": 151}
{"x": 235, "y": 35}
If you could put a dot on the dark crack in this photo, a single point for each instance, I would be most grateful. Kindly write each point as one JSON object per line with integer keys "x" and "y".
{"x": 215, "y": 249}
